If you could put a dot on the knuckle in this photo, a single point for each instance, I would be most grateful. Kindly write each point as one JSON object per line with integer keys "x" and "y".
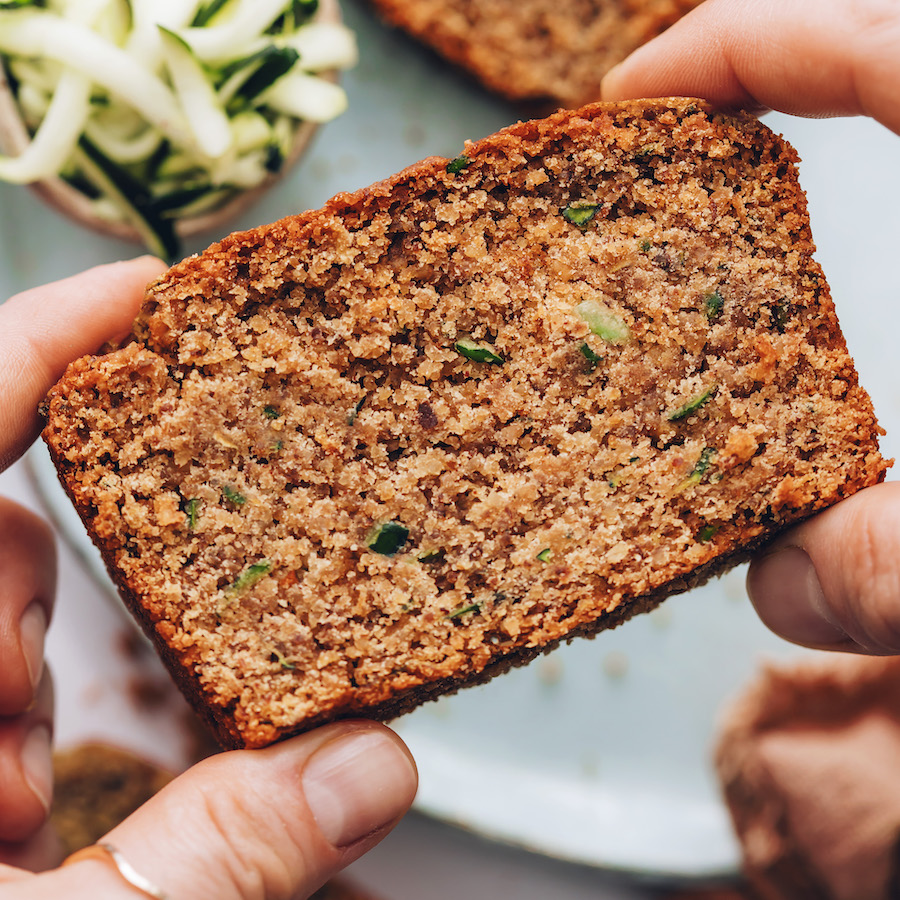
{"x": 873, "y": 16}
{"x": 21, "y": 813}
{"x": 256, "y": 858}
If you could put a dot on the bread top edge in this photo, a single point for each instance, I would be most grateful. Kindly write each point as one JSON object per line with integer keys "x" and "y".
{"x": 564, "y": 122}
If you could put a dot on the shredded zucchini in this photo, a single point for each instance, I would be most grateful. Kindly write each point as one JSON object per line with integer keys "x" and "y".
{"x": 387, "y": 538}
{"x": 322, "y": 45}
{"x": 228, "y": 32}
{"x": 478, "y": 352}
{"x": 60, "y": 128}
{"x": 305, "y": 97}
{"x": 128, "y": 198}
{"x": 692, "y": 405}
{"x": 604, "y": 322}
{"x": 159, "y": 109}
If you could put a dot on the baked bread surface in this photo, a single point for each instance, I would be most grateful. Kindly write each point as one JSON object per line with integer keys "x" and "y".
{"x": 542, "y": 52}
{"x": 375, "y": 452}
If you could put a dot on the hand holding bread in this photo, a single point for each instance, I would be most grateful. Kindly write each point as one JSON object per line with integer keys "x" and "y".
{"x": 832, "y": 581}
{"x": 339, "y": 790}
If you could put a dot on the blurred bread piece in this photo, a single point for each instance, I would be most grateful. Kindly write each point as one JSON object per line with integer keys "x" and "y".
{"x": 96, "y": 786}
{"x": 808, "y": 760}
{"x": 546, "y": 53}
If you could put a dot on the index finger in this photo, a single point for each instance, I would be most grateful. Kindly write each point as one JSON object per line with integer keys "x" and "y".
{"x": 43, "y": 329}
{"x": 805, "y": 57}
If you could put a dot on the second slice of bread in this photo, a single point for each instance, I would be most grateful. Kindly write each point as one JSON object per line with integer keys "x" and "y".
{"x": 379, "y": 451}
{"x": 544, "y": 52}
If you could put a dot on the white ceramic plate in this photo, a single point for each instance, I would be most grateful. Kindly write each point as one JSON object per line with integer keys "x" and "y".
{"x": 600, "y": 752}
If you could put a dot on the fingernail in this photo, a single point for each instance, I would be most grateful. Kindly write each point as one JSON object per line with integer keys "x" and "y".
{"x": 356, "y": 784}
{"x": 786, "y": 592}
{"x": 37, "y": 764}
{"x": 32, "y": 631}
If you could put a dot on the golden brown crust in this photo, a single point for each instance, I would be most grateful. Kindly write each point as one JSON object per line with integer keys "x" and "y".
{"x": 669, "y": 387}
{"x": 536, "y": 51}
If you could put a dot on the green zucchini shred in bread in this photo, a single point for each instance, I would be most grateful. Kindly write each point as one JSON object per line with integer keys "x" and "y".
{"x": 429, "y": 520}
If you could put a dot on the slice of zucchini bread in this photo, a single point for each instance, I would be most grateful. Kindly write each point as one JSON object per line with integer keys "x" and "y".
{"x": 376, "y": 452}
{"x": 545, "y": 52}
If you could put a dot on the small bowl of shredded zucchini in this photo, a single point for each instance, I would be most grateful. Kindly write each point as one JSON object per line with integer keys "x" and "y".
{"x": 153, "y": 120}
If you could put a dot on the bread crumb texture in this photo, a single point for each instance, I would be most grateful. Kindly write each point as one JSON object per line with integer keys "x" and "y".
{"x": 536, "y": 51}
{"x": 375, "y": 452}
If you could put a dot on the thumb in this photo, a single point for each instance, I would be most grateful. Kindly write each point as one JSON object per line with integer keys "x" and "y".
{"x": 834, "y": 581}
{"x": 269, "y": 824}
